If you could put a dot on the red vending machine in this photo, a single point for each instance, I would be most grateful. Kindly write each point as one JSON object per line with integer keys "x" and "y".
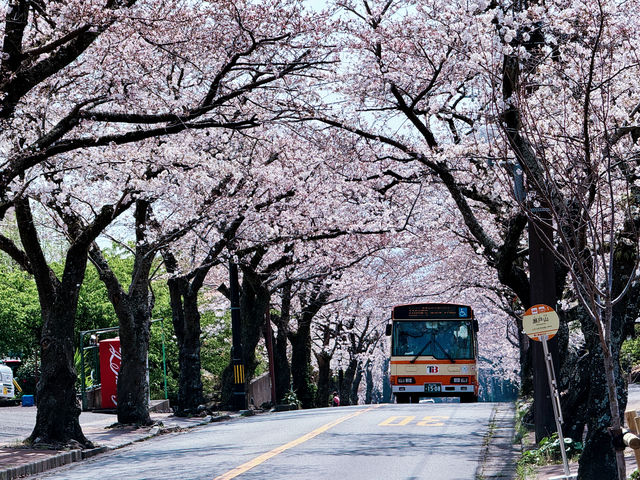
{"x": 109, "y": 368}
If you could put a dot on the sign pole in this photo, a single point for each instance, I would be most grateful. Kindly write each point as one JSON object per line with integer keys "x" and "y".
{"x": 557, "y": 412}
{"x": 541, "y": 323}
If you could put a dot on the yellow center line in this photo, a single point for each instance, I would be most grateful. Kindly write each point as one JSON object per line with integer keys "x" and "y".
{"x": 278, "y": 450}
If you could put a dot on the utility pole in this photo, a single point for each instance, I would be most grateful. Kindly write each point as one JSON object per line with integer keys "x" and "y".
{"x": 239, "y": 399}
{"x": 543, "y": 291}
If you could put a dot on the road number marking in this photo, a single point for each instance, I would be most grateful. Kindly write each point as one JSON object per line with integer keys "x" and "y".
{"x": 400, "y": 420}
{"x": 396, "y": 421}
{"x": 433, "y": 421}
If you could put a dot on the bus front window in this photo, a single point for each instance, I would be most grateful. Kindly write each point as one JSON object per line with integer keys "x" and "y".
{"x": 439, "y": 339}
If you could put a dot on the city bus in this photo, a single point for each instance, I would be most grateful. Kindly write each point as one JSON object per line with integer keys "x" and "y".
{"x": 434, "y": 352}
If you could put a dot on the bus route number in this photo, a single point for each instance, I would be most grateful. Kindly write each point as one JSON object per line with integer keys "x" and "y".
{"x": 432, "y": 387}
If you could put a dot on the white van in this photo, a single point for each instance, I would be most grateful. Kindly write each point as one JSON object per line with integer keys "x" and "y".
{"x": 6, "y": 382}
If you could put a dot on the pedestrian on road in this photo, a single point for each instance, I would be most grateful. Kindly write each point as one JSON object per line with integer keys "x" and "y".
{"x": 335, "y": 401}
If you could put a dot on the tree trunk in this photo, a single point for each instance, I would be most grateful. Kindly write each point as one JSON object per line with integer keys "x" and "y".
{"x": 186, "y": 324}
{"x": 254, "y": 301}
{"x": 282, "y": 367}
{"x": 58, "y": 416}
{"x": 133, "y": 309}
{"x": 368, "y": 396}
{"x": 598, "y": 460}
{"x": 356, "y": 386}
{"x": 301, "y": 364}
{"x": 58, "y": 413}
{"x": 133, "y": 378}
{"x": 324, "y": 376}
{"x": 576, "y": 391}
{"x": 346, "y": 385}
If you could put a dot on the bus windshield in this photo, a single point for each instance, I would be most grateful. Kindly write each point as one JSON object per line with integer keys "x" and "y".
{"x": 443, "y": 340}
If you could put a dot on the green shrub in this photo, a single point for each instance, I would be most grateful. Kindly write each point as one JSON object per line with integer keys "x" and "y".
{"x": 548, "y": 451}
{"x": 290, "y": 398}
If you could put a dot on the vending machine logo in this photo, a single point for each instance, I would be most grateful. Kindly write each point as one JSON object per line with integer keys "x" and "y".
{"x": 110, "y": 362}
{"x": 115, "y": 360}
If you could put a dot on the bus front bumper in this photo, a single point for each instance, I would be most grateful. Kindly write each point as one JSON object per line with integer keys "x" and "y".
{"x": 443, "y": 389}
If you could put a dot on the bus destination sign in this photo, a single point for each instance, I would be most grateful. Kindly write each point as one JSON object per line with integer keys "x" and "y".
{"x": 436, "y": 311}
{"x": 540, "y": 320}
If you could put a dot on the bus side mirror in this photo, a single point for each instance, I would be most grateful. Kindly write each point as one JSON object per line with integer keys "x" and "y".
{"x": 476, "y": 326}
{"x": 388, "y": 330}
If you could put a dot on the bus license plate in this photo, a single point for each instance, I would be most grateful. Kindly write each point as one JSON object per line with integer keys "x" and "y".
{"x": 432, "y": 387}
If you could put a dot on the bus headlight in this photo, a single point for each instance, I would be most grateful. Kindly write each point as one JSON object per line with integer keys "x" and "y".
{"x": 406, "y": 380}
{"x": 459, "y": 379}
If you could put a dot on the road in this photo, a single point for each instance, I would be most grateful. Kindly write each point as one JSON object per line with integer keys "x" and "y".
{"x": 409, "y": 442}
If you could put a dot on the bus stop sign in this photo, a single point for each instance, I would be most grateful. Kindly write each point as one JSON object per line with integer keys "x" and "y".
{"x": 540, "y": 320}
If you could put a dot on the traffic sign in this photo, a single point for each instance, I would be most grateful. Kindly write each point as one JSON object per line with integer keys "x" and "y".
{"x": 541, "y": 323}
{"x": 540, "y": 320}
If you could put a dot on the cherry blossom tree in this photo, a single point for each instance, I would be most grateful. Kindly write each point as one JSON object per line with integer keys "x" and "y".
{"x": 57, "y": 420}
{"x": 579, "y": 158}
{"x": 458, "y": 92}
{"x": 95, "y": 75}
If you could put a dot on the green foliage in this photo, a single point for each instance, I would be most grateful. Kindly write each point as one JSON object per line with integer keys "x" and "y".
{"x": 290, "y": 398}
{"x": 20, "y": 319}
{"x": 20, "y": 325}
{"x": 27, "y": 375}
{"x": 630, "y": 352}
{"x": 548, "y": 451}
{"x": 635, "y": 475}
{"x": 215, "y": 350}
{"x": 522, "y": 429}
{"x": 94, "y": 308}
{"x": 89, "y": 371}
{"x": 159, "y": 330}
{"x": 525, "y": 471}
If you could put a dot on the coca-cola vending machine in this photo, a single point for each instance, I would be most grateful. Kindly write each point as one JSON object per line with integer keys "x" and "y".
{"x": 109, "y": 368}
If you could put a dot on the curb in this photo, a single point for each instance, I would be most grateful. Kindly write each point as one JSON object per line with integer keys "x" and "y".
{"x": 499, "y": 454}
{"x": 76, "y": 455}
{"x": 42, "y": 465}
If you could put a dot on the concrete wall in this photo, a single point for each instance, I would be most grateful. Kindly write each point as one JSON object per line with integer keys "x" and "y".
{"x": 260, "y": 390}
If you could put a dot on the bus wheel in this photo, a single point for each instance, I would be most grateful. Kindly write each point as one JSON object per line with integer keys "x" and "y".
{"x": 468, "y": 398}
{"x": 402, "y": 398}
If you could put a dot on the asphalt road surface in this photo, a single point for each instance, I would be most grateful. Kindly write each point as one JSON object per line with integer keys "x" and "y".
{"x": 408, "y": 442}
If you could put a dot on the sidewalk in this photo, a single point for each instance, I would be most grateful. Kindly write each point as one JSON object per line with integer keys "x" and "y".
{"x": 17, "y": 461}
{"x": 500, "y": 453}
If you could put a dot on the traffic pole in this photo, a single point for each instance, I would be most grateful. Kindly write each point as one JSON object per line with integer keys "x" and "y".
{"x": 239, "y": 399}
{"x": 269, "y": 340}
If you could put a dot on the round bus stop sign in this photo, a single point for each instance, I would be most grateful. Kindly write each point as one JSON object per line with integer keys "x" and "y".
{"x": 540, "y": 320}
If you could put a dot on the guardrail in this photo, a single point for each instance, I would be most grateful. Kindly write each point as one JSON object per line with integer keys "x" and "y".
{"x": 630, "y": 434}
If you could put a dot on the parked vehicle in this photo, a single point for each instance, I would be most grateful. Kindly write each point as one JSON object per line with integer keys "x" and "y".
{"x": 6, "y": 382}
